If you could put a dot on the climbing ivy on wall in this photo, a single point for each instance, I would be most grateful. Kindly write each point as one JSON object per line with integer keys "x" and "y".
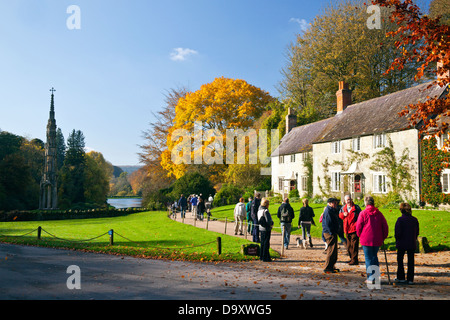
{"x": 434, "y": 161}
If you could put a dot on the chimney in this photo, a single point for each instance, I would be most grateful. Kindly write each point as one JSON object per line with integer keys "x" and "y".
{"x": 344, "y": 97}
{"x": 291, "y": 120}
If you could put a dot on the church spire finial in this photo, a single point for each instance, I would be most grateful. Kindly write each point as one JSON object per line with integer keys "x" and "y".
{"x": 52, "y": 105}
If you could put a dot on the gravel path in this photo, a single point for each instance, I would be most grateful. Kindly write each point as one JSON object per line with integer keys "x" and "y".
{"x": 432, "y": 270}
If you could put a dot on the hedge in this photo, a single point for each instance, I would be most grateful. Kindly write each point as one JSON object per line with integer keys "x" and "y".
{"x": 42, "y": 215}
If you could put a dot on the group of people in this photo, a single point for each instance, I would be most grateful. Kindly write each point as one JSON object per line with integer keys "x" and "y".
{"x": 259, "y": 222}
{"x": 369, "y": 228}
{"x": 354, "y": 226}
{"x": 196, "y": 204}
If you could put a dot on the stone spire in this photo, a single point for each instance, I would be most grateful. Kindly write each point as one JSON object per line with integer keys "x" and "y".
{"x": 49, "y": 192}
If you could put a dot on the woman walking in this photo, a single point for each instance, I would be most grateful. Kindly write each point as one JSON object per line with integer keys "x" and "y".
{"x": 406, "y": 233}
{"x": 304, "y": 221}
{"x": 239, "y": 216}
{"x": 265, "y": 227}
{"x": 372, "y": 229}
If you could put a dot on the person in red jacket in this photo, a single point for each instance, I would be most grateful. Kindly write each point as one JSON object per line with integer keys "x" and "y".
{"x": 372, "y": 229}
{"x": 349, "y": 215}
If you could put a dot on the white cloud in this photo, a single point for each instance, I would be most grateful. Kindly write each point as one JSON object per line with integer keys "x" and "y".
{"x": 302, "y": 22}
{"x": 180, "y": 54}
{"x": 88, "y": 149}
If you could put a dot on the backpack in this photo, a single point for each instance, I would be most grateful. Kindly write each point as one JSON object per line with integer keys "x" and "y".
{"x": 285, "y": 216}
{"x": 262, "y": 221}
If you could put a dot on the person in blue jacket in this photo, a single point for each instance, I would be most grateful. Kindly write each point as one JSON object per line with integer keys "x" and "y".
{"x": 330, "y": 229}
{"x": 182, "y": 204}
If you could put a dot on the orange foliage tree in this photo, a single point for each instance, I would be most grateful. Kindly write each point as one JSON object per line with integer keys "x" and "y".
{"x": 224, "y": 104}
{"x": 433, "y": 39}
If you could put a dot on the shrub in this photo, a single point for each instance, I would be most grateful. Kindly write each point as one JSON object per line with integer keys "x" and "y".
{"x": 294, "y": 193}
{"x": 228, "y": 194}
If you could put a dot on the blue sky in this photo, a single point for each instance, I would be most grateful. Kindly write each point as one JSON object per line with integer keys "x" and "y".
{"x": 111, "y": 74}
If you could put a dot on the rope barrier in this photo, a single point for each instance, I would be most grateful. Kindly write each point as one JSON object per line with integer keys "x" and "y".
{"x": 106, "y": 233}
{"x": 4, "y": 235}
{"x": 52, "y": 235}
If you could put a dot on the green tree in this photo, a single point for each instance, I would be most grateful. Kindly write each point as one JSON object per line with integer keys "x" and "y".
{"x": 192, "y": 183}
{"x": 60, "y": 148}
{"x": 121, "y": 186}
{"x": 72, "y": 176}
{"x": 339, "y": 46}
{"x": 440, "y": 8}
{"x": 97, "y": 175}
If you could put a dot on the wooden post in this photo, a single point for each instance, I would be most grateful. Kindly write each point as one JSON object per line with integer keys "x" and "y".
{"x": 39, "y": 230}
{"x": 207, "y": 222}
{"x": 246, "y": 227}
{"x": 111, "y": 237}
{"x": 225, "y": 226}
{"x": 219, "y": 245}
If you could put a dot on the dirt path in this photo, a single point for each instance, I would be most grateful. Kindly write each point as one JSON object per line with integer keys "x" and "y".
{"x": 432, "y": 270}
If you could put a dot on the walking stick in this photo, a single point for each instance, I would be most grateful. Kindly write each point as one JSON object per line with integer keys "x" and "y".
{"x": 387, "y": 265}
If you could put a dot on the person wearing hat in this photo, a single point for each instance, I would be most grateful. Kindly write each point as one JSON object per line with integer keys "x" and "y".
{"x": 330, "y": 229}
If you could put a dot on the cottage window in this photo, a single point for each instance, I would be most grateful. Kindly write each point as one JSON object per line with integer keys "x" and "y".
{"x": 304, "y": 184}
{"x": 442, "y": 140}
{"x": 445, "y": 179}
{"x": 335, "y": 181}
{"x": 280, "y": 184}
{"x": 356, "y": 144}
{"x": 292, "y": 157}
{"x": 379, "y": 183}
{"x": 379, "y": 141}
{"x": 336, "y": 147}
{"x": 281, "y": 159}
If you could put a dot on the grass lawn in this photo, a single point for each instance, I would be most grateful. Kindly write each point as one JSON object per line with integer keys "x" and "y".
{"x": 434, "y": 225}
{"x": 145, "y": 234}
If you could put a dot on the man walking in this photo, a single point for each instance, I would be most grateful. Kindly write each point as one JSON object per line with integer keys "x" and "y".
{"x": 349, "y": 214}
{"x": 330, "y": 228}
{"x": 182, "y": 204}
{"x": 286, "y": 215}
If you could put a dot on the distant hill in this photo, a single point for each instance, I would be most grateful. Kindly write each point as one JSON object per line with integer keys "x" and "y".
{"x": 129, "y": 169}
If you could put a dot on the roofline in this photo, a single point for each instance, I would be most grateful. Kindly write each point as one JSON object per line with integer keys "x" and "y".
{"x": 367, "y": 134}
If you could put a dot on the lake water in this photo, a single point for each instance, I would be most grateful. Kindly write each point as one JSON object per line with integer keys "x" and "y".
{"x": 121, "y": 203}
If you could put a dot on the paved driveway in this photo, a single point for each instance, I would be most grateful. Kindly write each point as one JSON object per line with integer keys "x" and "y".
{"x": 41, "y": 273}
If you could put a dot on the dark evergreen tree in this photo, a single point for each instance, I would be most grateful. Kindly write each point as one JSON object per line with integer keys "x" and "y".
{"x": 72, "y": 176}
{"x": 60, "y": 148}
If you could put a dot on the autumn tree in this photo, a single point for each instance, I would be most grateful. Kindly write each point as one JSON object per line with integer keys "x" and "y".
{"x": 156, "y": 177}
{"x": 432, "y": 52}
{"x": 201, "y": 121}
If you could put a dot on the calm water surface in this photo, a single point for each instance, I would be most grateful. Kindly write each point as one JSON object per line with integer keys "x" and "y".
{"x": 121, "y": 203}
